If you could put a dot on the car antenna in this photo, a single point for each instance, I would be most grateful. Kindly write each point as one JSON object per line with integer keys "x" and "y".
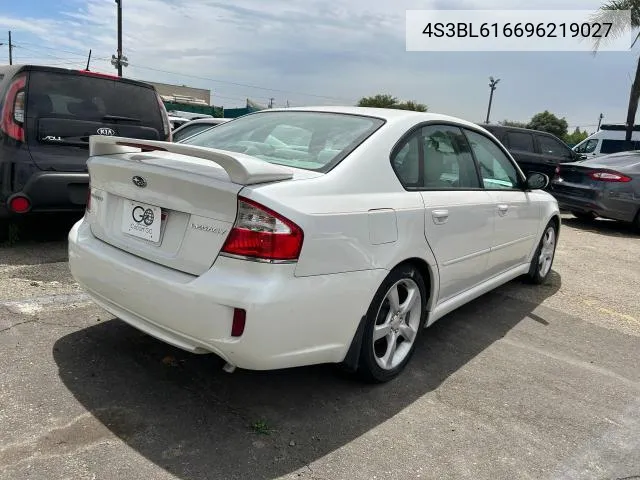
{"x": 88, "y": 60}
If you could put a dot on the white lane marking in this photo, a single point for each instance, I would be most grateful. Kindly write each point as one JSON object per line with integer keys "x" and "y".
{"x": 36, "y": 305}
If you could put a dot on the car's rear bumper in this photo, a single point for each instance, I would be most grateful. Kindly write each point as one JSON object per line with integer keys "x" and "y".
{"x": 290, "y": 321}
{"x": 587, "y": 201}
{"x": 54, "y": 192}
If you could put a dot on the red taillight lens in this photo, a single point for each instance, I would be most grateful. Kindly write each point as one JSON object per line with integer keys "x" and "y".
{"x": 99, "y": 75}
{"x": 13, "y": 110}
{"x": 19, "y": 204}
{"x": 609, "y": 176}
{"x": 261, "y": 233}
{"x": 239, "y": 321}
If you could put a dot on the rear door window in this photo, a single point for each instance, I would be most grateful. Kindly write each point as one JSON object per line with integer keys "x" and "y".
{"x": 615, "y": 146}
{"x": 94, "y": 99}
{"x": 551, "y": 146}
{"x": 520, "y": 141}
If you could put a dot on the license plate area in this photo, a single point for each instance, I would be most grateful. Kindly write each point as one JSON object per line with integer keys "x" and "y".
{"x": 143, "y": 221}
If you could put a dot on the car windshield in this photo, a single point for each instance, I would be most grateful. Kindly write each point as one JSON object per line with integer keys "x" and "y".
{"x": 308, "y": 140}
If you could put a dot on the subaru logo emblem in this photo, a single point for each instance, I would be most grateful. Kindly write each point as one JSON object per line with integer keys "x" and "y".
{"x": 106, "y": 131}
{"x": 139, "y": 181}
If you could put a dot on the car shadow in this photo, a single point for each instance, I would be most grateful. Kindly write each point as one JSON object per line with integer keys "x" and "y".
{"x": 602, "y": 226}
{"x": 36, "y": 240}
{"x": 185, "y": 415}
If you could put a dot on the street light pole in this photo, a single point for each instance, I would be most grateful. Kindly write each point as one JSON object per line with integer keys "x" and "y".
{"x": 492, "y": 85}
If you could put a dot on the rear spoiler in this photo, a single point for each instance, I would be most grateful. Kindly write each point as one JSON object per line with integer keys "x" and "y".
{"x": 242, "y": 169}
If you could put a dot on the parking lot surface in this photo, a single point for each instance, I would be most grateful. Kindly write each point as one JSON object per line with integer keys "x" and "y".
{"x": 525, "y": 382}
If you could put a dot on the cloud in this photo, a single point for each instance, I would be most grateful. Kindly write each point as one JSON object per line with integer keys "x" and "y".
{"x": 342, "y": 49}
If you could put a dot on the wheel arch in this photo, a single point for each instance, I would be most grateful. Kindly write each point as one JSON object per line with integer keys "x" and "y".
{"x": 429, "y": 274}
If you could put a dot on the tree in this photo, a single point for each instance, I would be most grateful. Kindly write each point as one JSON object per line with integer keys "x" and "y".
{"x": 603, "y": 14}
{"x": 576, "y": 137}
{"x": 510, "y": 123}
{"x": 548, "y": 122}
{"x": 389, "y": 101}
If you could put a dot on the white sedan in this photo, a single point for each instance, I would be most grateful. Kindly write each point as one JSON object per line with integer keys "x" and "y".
{"x": 308, "y": 235}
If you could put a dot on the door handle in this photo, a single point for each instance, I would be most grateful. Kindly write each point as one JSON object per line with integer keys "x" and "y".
{"x": 440, "y": 216}
{"x": 503, "y": 209}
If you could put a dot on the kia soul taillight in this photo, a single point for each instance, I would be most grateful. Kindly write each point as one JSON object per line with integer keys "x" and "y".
{"x": 260, "y": 233}
{"x": 12, "y": 117}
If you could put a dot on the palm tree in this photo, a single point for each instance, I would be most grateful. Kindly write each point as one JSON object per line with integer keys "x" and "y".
{"x": 602, "y": 15}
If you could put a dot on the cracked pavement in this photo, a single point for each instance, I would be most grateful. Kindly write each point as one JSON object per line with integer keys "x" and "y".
{"x": 525, "y": 382}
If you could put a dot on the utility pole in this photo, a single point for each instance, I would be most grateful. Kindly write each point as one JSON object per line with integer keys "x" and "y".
{"x": 10, "y": 50}
{"x": 492, "y": 85}
{"x": 600, "y": 120}
{"x": 119, "y": 60}
{"x": 119, "y": 2}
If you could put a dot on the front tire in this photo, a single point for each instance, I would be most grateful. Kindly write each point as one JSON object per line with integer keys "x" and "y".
{"x": 545, "y": 253}
{"x": 393, "y": 324}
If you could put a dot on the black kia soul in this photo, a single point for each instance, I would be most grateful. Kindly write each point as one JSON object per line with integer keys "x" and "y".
{"x": 46, "y": 118}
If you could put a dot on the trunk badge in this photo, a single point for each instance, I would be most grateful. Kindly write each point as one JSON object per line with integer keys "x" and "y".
{"x": 106, "y": 131}
{"x": 139, "y": 181}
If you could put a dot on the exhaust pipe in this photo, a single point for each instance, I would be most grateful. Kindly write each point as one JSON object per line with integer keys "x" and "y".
{"x": 229, "y": 368}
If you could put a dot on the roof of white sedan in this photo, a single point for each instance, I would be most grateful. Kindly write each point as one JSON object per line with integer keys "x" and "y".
{"x": 384, "y": 113}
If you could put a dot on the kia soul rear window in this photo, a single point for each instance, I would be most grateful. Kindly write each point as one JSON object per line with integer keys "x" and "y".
{"x": 94, "y": 99}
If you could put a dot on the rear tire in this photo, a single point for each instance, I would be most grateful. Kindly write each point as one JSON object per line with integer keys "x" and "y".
{"x": 393, "y": 324}
{"x": 543, "y": 258}
{"x": 584, "y": 216}
{"x": 636, "y": 222}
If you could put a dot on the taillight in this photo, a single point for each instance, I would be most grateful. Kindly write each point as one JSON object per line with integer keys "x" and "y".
{"x": 98, "y": 74}
{"x": 168, "y": 134}
{"x": 609, "y": 176}
{"x": 263, "y": 234}
{"x": 13, "y": 110}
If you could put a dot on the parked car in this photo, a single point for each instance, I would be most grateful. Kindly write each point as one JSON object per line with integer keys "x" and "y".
{"x": 274, "y": 257}
{"x": 47, "y": 117}
{"x": 607, "y": 186}
{"x": 177, "y": 122}
{"x": 195, "y": 126}
{"x": 610, "y": 138}
{"x": 535, "y": 151}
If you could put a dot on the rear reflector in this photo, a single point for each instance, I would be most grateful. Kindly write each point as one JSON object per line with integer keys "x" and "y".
{"x": 609, "y": 176}
{"x": 262, "y": 234}
{"x": 239, "y": 320}
{"x": 19, "y": 204}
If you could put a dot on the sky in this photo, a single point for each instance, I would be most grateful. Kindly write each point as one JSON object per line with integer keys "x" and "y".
{"x": 320, "y": 52}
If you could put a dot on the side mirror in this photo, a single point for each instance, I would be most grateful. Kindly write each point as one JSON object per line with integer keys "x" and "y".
{"x": 537, "y": 181}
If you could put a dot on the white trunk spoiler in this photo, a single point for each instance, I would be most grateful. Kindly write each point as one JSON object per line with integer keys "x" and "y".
{"x": 242, "y": 169}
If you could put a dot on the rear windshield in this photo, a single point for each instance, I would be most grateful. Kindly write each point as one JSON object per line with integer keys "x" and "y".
{"x": 309, "y": 140}
{"x": 90, "y": 98}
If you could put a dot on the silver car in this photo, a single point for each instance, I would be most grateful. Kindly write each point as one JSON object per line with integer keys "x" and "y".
{"x": 607, "y": 186}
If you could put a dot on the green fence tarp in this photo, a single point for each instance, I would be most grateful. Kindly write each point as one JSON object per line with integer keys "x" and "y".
{"x": 214, "y": 111}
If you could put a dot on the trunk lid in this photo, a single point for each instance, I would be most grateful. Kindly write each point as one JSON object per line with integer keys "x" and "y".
{"x": 193, "y": 190}
{"x": 64, "y": 108}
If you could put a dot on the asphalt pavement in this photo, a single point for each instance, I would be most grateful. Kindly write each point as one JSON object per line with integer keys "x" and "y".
{"x": 526, "y": 382}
